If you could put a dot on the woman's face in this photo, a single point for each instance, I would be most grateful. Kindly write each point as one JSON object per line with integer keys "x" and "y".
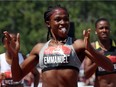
{"x": 59, "y": 23}
{"x": 103, "y": 30}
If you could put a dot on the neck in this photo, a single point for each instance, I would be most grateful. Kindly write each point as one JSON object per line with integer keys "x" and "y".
{"x": 59, "y": 41}
{"x": 58, "y": 38}
{"x": 105, "y": 44}
{"x": 8, "y": 56}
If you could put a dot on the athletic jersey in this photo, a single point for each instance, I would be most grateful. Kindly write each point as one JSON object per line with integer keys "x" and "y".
{"x": 6, "y": 68}
{"x": 111, "y": 54}
{"x": 60, "y": 56}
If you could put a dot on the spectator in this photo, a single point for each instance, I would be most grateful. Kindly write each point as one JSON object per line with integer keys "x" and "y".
{"x": 5, "y": 67}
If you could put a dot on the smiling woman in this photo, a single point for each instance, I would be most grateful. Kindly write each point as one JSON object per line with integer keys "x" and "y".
{"x": 72, "y": 51}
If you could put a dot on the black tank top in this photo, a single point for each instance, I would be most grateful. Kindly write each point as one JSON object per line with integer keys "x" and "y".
{"x": 111, "y": 54}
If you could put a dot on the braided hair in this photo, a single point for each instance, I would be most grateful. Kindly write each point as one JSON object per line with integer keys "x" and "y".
{"x": 48, "y": 14}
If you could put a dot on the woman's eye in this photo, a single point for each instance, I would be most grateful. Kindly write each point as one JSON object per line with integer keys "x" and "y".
{"x": 101, "y": 28}
{"x": 57, "y": 19}
{"x": 104, "y": 28}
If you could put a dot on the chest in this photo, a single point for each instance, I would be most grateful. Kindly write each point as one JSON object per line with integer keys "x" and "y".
{"x": 111, "y": 54}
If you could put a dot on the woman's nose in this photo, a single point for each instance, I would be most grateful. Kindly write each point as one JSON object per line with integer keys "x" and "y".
{"x": 105, "y": 29}
{"x": 62, "y": 21}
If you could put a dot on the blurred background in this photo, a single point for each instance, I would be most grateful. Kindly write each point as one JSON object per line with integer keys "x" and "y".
{"x": 26, "y": 17}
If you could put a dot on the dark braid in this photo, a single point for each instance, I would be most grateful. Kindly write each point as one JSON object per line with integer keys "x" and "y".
{"x": 48, "y": 13}
{"x": 101, "y": 19}
{"x": 48, "y": 34}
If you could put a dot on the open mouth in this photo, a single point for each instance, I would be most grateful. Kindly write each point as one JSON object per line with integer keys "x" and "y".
{"x": 63, "y": 30}
{"x": 104, "y": 35}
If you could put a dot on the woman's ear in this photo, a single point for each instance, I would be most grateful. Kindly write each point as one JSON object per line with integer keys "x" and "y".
{"x": 47, "y": 23}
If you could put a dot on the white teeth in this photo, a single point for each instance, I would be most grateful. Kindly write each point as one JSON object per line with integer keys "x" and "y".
{"x": 63, "y": 30}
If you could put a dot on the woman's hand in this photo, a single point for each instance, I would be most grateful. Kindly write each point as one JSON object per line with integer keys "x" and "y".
{"x": 86, "y": 34}
{"x": 12, "y": 46}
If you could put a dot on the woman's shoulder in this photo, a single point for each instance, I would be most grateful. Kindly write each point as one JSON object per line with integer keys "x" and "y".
{"x": 113, "y": 42}
{"x": 37, "y": 48}
{"x": 78, "y": 44}
{"x": 78, "y": 41}
{"x": 39, "y": 45}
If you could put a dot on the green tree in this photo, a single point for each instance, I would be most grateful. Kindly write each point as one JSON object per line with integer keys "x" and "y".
{"x": 26, "y": 17}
